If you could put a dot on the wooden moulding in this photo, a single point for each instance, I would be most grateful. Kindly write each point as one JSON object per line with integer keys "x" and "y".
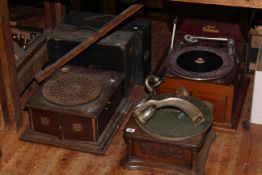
{"x": 181, "y": 157}
{"x": 54, "y": 12}
{"x": 227, "y": 99}
{"x": 8, "y": 69}
{"x": 3, "y": 108}
{"x": 232, "y": 3}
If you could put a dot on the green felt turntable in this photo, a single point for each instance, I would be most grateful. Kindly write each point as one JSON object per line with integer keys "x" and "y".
{"x": 176, "y": 119}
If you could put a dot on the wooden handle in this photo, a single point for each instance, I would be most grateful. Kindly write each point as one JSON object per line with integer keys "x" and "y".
{"x": 88, "y": 42}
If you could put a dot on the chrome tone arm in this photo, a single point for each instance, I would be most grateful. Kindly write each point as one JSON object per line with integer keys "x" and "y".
{"x": 192, "y": 39}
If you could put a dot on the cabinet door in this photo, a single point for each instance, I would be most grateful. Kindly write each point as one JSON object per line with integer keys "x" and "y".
{"x": 78, "y": 128}
{"x": 47, "y": 122}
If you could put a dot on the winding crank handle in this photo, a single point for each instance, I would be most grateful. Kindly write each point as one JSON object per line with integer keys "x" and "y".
{"x": 88, "y": 42}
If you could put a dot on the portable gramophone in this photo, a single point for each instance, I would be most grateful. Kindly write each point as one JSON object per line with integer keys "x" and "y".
{"x": 208, "y": 58}
{"x": 169, "y": 131}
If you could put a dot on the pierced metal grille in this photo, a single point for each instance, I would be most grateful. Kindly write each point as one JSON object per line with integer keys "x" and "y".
{"x": 72, "y": 90}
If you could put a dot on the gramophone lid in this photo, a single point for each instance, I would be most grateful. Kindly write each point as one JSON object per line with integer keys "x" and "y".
{"x": 200, "y": 63}
{"x": 213, "y": 28}
{"x": 170, "y": 123}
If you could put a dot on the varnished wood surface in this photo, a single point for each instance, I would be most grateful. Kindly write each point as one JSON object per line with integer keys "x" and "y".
{"x": 231, "y": 154}
{"x": 234, "y": 3}
{"x": 8, "y": 70}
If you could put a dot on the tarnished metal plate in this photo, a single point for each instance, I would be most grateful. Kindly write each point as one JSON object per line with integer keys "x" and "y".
{"x": 169, "y": 123}
{"x": 200, "y": 63}
{"x": 72, "y": 90}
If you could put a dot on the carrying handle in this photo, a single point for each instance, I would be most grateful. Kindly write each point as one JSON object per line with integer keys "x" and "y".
{"x": 146, "y": 109}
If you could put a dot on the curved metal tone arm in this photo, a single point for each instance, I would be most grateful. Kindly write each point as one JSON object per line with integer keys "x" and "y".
{"x": 192, "y": 39}
{"x": 147, "y": 109}
{"x": 151, "y": 82}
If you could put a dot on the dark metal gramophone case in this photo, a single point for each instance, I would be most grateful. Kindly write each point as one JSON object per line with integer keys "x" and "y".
{"x": 115, "y": 52}
{"x": 126, "y": 50}
{"x": 78, "y": 108}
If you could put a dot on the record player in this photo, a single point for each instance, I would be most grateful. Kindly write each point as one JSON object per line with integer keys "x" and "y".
{"x": 169, "y": 132}
{"x": 78, "y": 108}
{"x": 208, "y": 58}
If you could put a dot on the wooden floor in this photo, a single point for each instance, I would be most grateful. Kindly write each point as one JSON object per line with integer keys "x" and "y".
{"x": 239, "y": 153}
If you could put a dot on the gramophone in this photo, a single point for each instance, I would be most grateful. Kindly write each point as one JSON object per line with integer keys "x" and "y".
{"x": 207, "y": 56}
{"x": 169, "y": 132}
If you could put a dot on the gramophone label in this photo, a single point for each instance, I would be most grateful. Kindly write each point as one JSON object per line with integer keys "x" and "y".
{"x": 210, "y": 29}
{"x": 132, "y": 130}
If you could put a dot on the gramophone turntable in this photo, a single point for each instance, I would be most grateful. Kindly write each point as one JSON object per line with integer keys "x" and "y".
{"x": 208, "y": 58}
{"x": 169, "y": 132}
{"x": 204, "y": 63}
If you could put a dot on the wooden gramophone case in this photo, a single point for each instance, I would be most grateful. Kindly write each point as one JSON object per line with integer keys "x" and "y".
{"x": 146, "y": 152}
{"x": 79, "y": 109}
{"x": 226, "y": 93}
{"x": 169, "y": 132}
